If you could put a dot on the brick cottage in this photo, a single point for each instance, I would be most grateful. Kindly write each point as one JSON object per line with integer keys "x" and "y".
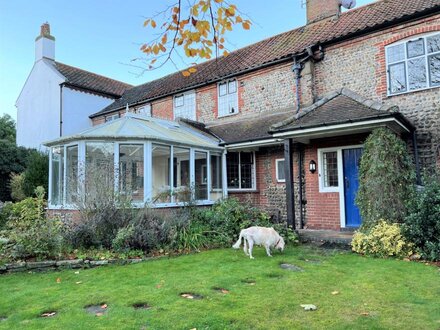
{"x": 279, "y": 124}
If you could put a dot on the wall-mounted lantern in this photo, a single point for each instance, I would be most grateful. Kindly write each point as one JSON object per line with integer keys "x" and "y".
{"x": 312, "y": 166}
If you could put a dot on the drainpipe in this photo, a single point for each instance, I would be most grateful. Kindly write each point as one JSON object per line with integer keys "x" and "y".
{"x": 61, "y": 109}
{"x": 296, "y": 68}
{"x": 300, "y": 171}
{"x": 416, "y": 158}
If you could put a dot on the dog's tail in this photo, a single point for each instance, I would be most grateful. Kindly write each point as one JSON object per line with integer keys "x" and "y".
{"x": 238, "y": 243}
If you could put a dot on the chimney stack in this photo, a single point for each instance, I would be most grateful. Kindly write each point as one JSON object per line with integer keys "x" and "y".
{"x": 321, "y": 9}
{"x": 45, "y": 44}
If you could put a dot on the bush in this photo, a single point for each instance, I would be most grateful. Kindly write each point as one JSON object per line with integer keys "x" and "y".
{"x": 422, "y": 225}
{"x": 29, "y": 232}
{"x": 386, "y": 179}
{"x": 16, "y": 184}
{"x": 5, "y": 212}
{"x": 36, "y": 173}
{"x": 383, "y": 240}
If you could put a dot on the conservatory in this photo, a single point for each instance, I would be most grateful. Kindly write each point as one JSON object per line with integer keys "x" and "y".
{"x": 151, "y": 161}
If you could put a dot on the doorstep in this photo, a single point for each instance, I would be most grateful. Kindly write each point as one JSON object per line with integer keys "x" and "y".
{"x": 329, "y": 236}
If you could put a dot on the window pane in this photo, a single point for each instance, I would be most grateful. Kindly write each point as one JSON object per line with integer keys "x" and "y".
{"x": 131, "y": 171}
{"x": 416, "y": 47}
{"x": 161, "y": 174}
{"x": 182, "y": 188}
{"x": 417, "y": 73}
{"x": 280, "y": 170}
{"x": 100, "y": 169}
{"x": 433, "y": 43}
{"x": 216, "y": 177}
{"x": 434, "y": 69}
{"x": 57, "y": 165}
{"x": 232, "y": 104}
{"x": 187, "y": 109}
{"x": 232, "y": 167}
{"x": 178, "y": 101}
{"x": 396, "y": 53}
{"x": 222, "y": 89}
{"x": 232, "y": 87}
{"x": 397, "y": 78}
{"x": 330, "y": 169}
{"x": 246, "y": 167}
{"x": 201, "y": 176}
{"x": 72, "y": 175}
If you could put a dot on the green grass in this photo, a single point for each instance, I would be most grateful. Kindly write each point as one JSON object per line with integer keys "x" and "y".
{"x": 395, "y": 294}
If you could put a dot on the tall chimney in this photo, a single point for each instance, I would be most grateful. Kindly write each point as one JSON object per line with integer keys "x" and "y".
{"x": 45, "y": 44}
{"x": 320, "y": 9}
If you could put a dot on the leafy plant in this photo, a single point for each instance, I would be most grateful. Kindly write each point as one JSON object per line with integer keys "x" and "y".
{"x": 383, "y": 240}
{"x": 16, "y": 184}
{"x": 36, "y": 173}
{"x": 422, "y": 225}
{"x": 386, "y": 179}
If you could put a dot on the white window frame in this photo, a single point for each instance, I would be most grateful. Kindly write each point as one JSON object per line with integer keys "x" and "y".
{"x": 112, "y": 117}
{"x": 277, "y": 166}
{"x": 228, "y": 96}
{"x": 405, "y": 61}
{"x": 253, "y": 176}
{"x": 185, "y": 98}
{"x": 144, "y": 109}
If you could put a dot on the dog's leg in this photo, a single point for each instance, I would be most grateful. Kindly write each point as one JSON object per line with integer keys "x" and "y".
{"x": 251, "y": 245}
{"x": 237, "y": 244}
{"x": 245, "y": 249}
{"x": 268, "y": 250}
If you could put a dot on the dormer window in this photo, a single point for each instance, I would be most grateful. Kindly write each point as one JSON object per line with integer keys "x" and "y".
{"x": 227, "y": 98}
{"x": 184, "y": 105}
{"x": 413, "y": 64}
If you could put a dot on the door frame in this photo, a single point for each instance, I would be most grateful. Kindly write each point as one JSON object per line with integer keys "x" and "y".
{"x": 341, "y": 186}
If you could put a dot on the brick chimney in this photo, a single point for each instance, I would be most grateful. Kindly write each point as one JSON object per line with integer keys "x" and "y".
{"x": 320, "y": 9}
{"x": 45, "y": 44}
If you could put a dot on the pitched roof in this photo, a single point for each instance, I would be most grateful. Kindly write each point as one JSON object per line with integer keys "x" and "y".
{"x": 281, "y": 47}
{"x": 91, "y": 81}
{"x": 340, "y": 107}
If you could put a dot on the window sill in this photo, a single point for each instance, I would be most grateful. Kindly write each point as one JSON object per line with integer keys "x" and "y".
{"x": 242, "y": 191}
{"x": 228, "y": 115}
{"x": 413, "y": 91}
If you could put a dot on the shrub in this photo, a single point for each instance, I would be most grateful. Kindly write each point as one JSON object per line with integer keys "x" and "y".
{"x": 383, "y": 240}
{"x": 5, "y": 212}
{"x": 16, "y": 184}
{"x": 29, "y": 232}
{"x": 36, "y": 173}
{"x": 422, "y": 225}
{"x": 386, "y": 179}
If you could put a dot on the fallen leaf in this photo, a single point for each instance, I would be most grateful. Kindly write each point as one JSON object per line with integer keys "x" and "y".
{"x": 79, "y": 282}
{"x": 58, "y": 279}
{"x": 365, "y": 313}
{"x": 49, "y": 314}
{"x": 99, "y": 314}
{"x": 188, "y": 296}
{"x": 77, "y": 272}
{"x": 252, "y": 283}
{"x": 104, "y": 306}
{"x": 225, "y": 291}
{"x": 309, "y": 307}
{"x": 335, "y": 292}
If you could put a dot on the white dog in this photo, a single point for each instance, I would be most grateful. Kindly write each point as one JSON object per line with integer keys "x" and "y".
{"x": 267, "y": 237}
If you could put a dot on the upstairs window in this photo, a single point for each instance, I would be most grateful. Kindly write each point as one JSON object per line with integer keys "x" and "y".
{"x": 413, "y": 64}
{"x": 144, "y": 110}
{"x": 240, "y": 168}
{"x": 111, "y": 117}
{"x": 185, "y": 105}
{"x": 227, "y": 98}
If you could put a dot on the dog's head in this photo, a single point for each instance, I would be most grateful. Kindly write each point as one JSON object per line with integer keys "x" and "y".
{"x": 280, "y": 244}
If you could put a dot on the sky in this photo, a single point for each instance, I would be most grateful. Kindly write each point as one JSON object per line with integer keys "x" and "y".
{"x": 104, "y": 36}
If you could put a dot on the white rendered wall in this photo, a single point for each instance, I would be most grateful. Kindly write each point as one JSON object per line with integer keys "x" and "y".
{"x": 77, "y": 107}
{"x": 38, "y": 106}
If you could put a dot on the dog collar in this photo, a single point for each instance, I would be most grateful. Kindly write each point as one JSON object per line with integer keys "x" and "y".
{"x": 277, "y": 242}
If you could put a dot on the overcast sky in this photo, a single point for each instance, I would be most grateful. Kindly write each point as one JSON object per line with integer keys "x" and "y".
{"x": 104, "y": 36}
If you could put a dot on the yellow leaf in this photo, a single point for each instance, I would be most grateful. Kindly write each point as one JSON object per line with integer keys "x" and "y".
{"x": 246, "y": 25}
{"x": 164, "y": 39}
{"x": 192, "y": 70}
{"x": 146, "y": 22}
{"x": 186, "y": 73}
{"x": 225, "y": 53}
{"x": 238, "y": 19}
{"x": 153, "y": 24}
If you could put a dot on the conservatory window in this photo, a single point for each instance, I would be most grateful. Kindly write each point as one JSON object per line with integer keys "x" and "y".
{"x": 131, "y": 171}
{"x": 100, "y": 170}
{"x": 161, "y": 157}
{"x": 181, "y": 177}
{"x": 72, "y": 174}
{"x": 241, "y": 170}
{"x": 201, "y": 175}
{"x": 216, "y": 177}
{"x": 414, "y": 64}
{"x": 57, "y": 168}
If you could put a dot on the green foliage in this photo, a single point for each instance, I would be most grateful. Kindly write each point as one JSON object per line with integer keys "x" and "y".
{"x": 386, "y": 179}
{"x": 29, "y": 232}
{"x": 7, "y": 128}
{"x": 422, "y": 225}
{"x": 36, "y": 173}
{"x": 382, "y": 240}
{"x": 5, "y": 212}
{"x": 16, "y": 184}
{"x": 12, "y": 160}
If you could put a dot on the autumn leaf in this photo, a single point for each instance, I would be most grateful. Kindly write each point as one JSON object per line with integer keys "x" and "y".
{"x": 153, "y": 24}
{"x": 246, "y": 25}
{"x": 186, "y": 73}
{"x": 192, "y": 70}
{"x": 335, "y": 292}
{"x": 58, "y": 279}
{"x": 146, "y": 22}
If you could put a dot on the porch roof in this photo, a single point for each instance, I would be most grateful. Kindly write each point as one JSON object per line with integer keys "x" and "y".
{"x": 341, "y": 113}
{"x": 133, "y": 127}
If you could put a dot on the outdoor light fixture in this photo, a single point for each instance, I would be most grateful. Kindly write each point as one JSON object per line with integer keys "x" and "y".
{"x": 312, "y": 166}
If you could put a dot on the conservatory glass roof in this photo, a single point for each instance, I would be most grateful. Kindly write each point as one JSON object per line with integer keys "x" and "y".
{"x": 140, "y": 127}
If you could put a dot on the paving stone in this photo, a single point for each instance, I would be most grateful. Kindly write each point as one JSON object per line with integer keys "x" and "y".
{"x": 291, "y": 267}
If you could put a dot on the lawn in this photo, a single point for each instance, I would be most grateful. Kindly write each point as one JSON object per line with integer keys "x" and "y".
{"x": 350, "y": 291}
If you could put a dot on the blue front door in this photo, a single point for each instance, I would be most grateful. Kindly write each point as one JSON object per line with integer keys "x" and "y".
{"x": 351, "y": 184}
